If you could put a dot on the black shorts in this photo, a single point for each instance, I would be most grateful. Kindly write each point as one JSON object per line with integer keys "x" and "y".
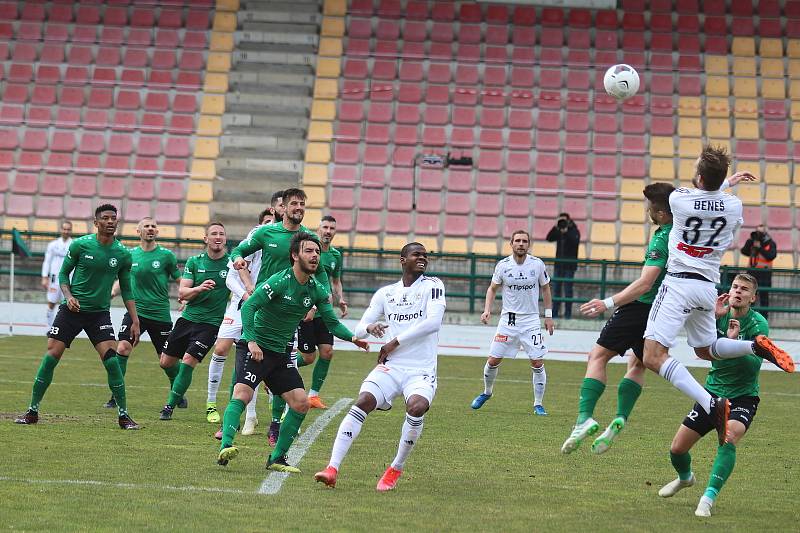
{"x": 193, "y": 338}
{"x": 311, "y": 334}
{"x": 743, "y": 409}
{"x": 276, "y": 370}
{"x": 158, "y": 331}
{"x": 67, "y": 325}
{"x": 625, "y": 329}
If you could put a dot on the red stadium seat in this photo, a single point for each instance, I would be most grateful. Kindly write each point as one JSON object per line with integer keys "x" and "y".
{"x": 19, "y": 205}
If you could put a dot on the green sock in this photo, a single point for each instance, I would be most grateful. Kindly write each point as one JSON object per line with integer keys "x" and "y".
{"x": 289, "y": 429}
{"x": 116, "y": 382}
{"x": 721, "y": 471}
{"x": 230, "y": 421}
{"x": 44, "y": 376}
{"x": 233, "y": 384}
{"x": 181, "y": 384}
{"x": 627, "y": 394}
{"x": 320, "y": 373}
{"x": 123, "y": 363}
{"x": 301, "y": 361}
{"x": 172, "y": 373}
{"x": 682, "y": 463}
{"x": 278, "y": 406}
{"x": 591, "y": 390}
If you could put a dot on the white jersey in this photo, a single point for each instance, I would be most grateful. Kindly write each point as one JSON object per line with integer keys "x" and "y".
{"x": 414, "y": 316}
{"x": 234, "y": 282}
{"x": 704, "y": 224}
{"x": 54, "y": 257}
{"x": 521, "y": 284}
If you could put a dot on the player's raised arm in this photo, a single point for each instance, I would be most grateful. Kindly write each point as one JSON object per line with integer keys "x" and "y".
{"x": 639, "y": 287}
{"x": 325, "y": 310}
{"x": 251, "y": 244}
{"x": 235, "y": 283}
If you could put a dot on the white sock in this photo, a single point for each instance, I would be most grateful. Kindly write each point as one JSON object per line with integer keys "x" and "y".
{"x": 215, "y": 369}
{"x": 724, "y": 348}
{"x": 539, "y": 384}
{"x": 312, "y": 392}
{"x": 251, "y": 407}
{"x": 489, "y": 375}
{"x": 51, "y": 315}
{"x": 412, "y": 429}
{"x": 348, "y": 431}
{"x": 293, "y": 358}
{"x": 677, "y": 374}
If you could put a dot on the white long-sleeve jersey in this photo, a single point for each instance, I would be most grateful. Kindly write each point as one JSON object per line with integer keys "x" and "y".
{"x": 414, "y": 316}
{"x": 54, "y": 257}
{"x": 234, "y": 282}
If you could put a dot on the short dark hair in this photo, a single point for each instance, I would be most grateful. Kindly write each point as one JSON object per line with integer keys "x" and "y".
{"x": 214, "y": 223}
{"x": 749, "y": 278}
{"x": 565, "y": 215}
{"x": 658, "y": 195}
{"x": 293, "y": 193}
{"x": 713, "y": 166}
{"x": 404, "y": 251}
{"x": 104, "y": 207}
{"x": 277, "y": 195}
{"x": 328, "y": 218}
{"x": 517, "y": 232}
{"x": 297, "y": 240}
{"x": 66, "y": 222}
{"x": 265, "y": 212}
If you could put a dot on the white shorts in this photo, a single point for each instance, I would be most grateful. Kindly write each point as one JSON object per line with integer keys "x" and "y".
{"x": 386, "y": 383}
{"x": 231, "y": 326}
{"x": 54, "y": 294}
{"x": 509, "y": 340}
{"x": 687, "y": 303}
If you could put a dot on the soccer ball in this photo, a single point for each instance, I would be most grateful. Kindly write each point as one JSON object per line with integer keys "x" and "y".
{"x": 621, "y": 81}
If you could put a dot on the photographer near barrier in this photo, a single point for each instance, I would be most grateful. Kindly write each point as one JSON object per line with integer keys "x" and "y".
{"x": 567, "y": 238}
{"x": 761, "y": 250}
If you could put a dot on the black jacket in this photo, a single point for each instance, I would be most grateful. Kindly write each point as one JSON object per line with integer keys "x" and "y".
{"x": 768, "y": 250}
{"x": 566, "y": 242}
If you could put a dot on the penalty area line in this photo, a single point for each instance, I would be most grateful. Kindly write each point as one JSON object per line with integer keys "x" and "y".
{"x": 142, "y": 486}
{"x": 274, "y": 481}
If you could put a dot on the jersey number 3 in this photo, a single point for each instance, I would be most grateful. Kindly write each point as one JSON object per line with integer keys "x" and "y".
{"x": 692, "y": 234}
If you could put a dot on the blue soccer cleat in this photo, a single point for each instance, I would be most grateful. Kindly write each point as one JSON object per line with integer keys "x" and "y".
{"x": 539, "y": 410}
{"x": 480, "y": 399}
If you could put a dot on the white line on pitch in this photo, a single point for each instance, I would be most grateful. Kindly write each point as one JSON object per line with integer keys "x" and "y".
{"x": 274, "y": 481}
{"x": 94, "y": 483}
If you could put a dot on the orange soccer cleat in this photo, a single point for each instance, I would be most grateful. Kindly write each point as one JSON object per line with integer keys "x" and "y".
{"x": 389, "y": 479}
{"x": 327, "y": 476}
{"x": 315, "y": 402}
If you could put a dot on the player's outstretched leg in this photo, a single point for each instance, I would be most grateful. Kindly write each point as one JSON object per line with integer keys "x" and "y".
{"x": 580, "y": 432}
{"x": 388, "y": 480}
{"x": 348, "y": 430}
{"x": 585, "y": 425}
{"x": 628, "y": 392}
{"x": 489, "y": 375}
{"x": 44, "y": 376}
{"x": 766, "y": 349}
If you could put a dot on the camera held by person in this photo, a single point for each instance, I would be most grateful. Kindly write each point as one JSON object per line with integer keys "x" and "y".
{"x": 761, "y": 250}
{"x": 567, "y": 238}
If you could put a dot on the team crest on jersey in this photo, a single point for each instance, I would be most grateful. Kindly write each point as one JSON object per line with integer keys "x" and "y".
{"x": 653, "y": 255}
{"x": 307, "y": 301}
{"x": 223, "y": 274}
{"x": 333, "y": 264}
{"x": 112, "y": 262}
{"x": 156, "y": 264}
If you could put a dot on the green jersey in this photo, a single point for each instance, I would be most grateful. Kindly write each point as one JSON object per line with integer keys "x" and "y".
{"x": 273, "y": 240}
{"x": 96, "y": 266}
{"x": 331, "y": 261}
{"x": 207, "y": 307}
{"x": 656, "y": 255}
{"x": 151, "y": 273}
{"x": 270, "y": 316}
{"x": 731, "y": 378}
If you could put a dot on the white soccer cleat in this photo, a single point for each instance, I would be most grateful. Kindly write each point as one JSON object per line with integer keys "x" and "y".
{"x": 249, "y": 426}
{"x": 704, "y": 507}
{"x": 676, "y": 485}
{"x": 588, "y": 428}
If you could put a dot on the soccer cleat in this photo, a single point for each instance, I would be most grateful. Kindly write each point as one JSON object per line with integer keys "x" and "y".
{"x": 250, "y": 424}
{"x": 280, "y": 465}
{"x": 327, "y": 476}
{"x": 602, "y": 443}
{"x": 673, "y": 487}
{"x": 588, "y": 428}
{"x": 183, "y": 404}
{"x": 218, "y": 435}
{"x": 315, "y": 402}
{"x": 479, "y": 400}
{"x": 126, "y": 422}
{"x": 110, "y": 404}
{"x": 29, "y": 417}
{"x": 539, "y": 410}
{"x": 226, "y": 454}
{"x": 273, "y": 433}
{"x": 720, "y": 411}
{"x": 166, "y": 413}
{"x": 212, "y": 415}
{"x": 766, "y": 349}
{"x": 389, "y": 479}
{"x": 704, "y": 507}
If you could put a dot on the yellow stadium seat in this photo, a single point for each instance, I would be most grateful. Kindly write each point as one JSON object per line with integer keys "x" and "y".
{"x": 323, "y": 110}
{"x": 772, "y": 68}
{"x": 193, "y": 233}
{"x": 753, "y": 167}
{"x": 430, "y": 243}
{"x": 320, "y": 131}
{"x": 21, "y": 224}
{"x": 776, "y": 173}
{"x": 778, "y": 195}
{"x": 227, "y": 5}
{"x": 689, "y": 106}
{"x": 793, "y": 48}
{"x": 318, "y": 153}
{"x": 717, "y": 86}
{"x": 745, "y": 108}
{"x": 600, "y": 252}
{"x": 203, "y": 169}
{"x": 200, "y": 192}
{"x": 745, "y": 87}
{"x": 213, "y": 104}
{"x": 784, "y": 260}
{"x": 749, "y": 193}
{"x": 728, "y": 259}
{"x": 167, "y": 231}
{"x": 743, "y": 46}
{"x": 773, "y": 89}
{"x": 770, "y": 47}
{"x": 631, "y": 188}
{"x": 725, "y": 143}
{"x": 794, "y": 69}
{"x": 689, "y": 147}
{"x": 746, "y": 129}
{"x": 312, "y": 217}
{"x": 717, "y": 65}
{"x": 225, "y": 22}
{"x": 633, "y": 211}
{"x": 45, "y": 226}
{"x": 325, "y": 88}
{"x": 335, "y": 8}
{"x": 218, "y": 62}
{"x": 796, "y": 181}
{"x": 390, "y": 242}
{"x": 631, "y": 253}
{"x": 543, "y": 249}
{"x": 744, "y": 66}
{"x": 604, "y": 232}
{"x": 329, "y": 67}
{"x": 795, "y": 111}
{"x": 718, "y": 127}
{"x": 79, "y": 227}
{"x": 332, "y": 27}
{"x": 794, "y": 89}
{"x": 480, "y": 247}
{"x": 209, "y": 125}
{"x": 196, "y": 214}
{"x": 315, "y": 197}
{"x": 662, "y": 168}
{"x": 632, "y": 234}
{"x": 690, "y": 127}
{"x": 661, "y": 146}
{"x": 315, "y": 175}
{"x": 129, "y": 230}
{"x": 216, "y": 82}
{"x": 717, "y": 107}
{"x": 686, "y": 169}
{"x": 206, "y": 147}
{"x": 330, "y": 47}
{"x": 455, "y": 246}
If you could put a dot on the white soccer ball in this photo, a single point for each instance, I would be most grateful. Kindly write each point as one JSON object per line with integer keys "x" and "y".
{"x": 621, "y": 81}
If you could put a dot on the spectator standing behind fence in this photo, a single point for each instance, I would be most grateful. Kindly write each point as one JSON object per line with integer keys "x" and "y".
{"x": 762, "y": 251}
{"x": 567, "y": 237}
